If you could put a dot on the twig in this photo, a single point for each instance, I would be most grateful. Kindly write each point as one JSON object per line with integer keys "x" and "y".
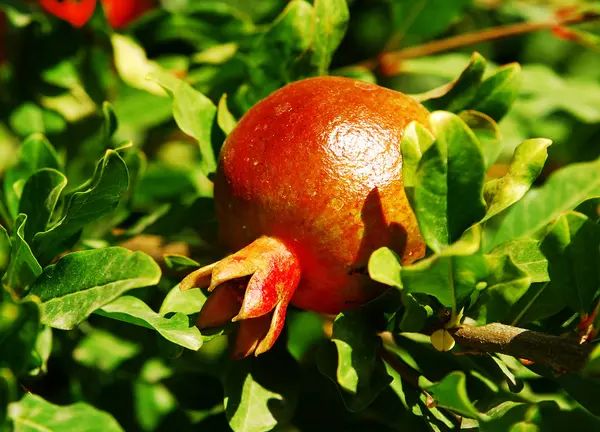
{"x": 560, "y": 353}
{"x": 389, "y": 62}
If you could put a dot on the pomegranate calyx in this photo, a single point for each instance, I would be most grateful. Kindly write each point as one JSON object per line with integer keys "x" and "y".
{"x": 254, "y": 287}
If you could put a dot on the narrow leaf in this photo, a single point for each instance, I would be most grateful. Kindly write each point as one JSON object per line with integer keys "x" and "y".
{"x": 133, "y": 65}
{"x": 23, "y": 268}
{"x": 107, "y": 186}
{"x": 225, "y": 119}
{"x": 526, "y": 165}
{"x": 331, "y": 21}
{"x": 498, "y": 92}
{"x": 35, "y": 153}
{"x": 194, "y": 113}
{"x": 5, "y": 248}
{"x": 176, "y": 329}
{"x": 19, "y": 325}
{"x": 458, "y": 94}
{"x": 39, "y": 199}
{"x": 564, "y": 190}
{"x": 32, "y": 413}
{"x": 487, "y": 132}
{"x": 449, "y": 187}
{"x": 415, "y": 141}
{"x": 81, "y": 282}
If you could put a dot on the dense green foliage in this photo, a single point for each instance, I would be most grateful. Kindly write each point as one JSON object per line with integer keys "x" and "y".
{"x": 107, "y": 145}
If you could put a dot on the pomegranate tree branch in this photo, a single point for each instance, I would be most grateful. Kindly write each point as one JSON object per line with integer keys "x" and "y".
{"x": 389, "y": 61}
{"x": 560, "y": 353}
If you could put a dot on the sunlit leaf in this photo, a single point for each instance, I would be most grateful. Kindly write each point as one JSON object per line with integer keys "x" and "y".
{"x": 225, "y": 119}
{"x": 32, "y": 413}
{"x": 194, "y": 113}
{"x": 331, "y": 21}
{"x": 81, "y": 282}
{"x": 176, "y": 329}
{"x": 497, "y": 93}
{"x": 563, "y": 191}
{"x": 526, "y": 165}
{"x": 449, "y": 189}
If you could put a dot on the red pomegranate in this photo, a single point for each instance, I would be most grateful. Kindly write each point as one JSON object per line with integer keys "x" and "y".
{"x": 308, "y": 185}
{"x": 120, "y": 13}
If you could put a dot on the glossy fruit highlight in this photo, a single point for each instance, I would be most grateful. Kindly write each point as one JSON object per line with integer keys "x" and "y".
{"x": 308, "y": 185}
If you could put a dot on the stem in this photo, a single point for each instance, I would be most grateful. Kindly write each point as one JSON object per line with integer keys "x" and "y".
{"x": 390, "y": 61}
{"x": 562, "y": 354}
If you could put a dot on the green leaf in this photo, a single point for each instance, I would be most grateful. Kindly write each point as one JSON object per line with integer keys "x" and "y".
{"x": 30, "y": 118}
{"x": 426, "y": 20}
{"x": 153, "y": 400}
{"x": 384, "y": 267}
{"x": 487, "y": 132}
{"x": 19, "y": 325}
{"x": 133, "y": 65}
{"x": 101, "y": 196}
{"x": 526, "y": 165}
{"x": 104, "y": 351}
{"x": 194, "y": 113}
{"x": 497, "y": 93}
{"x": 42, "y": 351}
{"x": 506, "y": 284}
{"x": 176, "y": 329}
{"x": 451, "y": 393}
{"x": 5, "y": 248}
{"x": 39, "y": 198}
{"x": 331, "y": 19}
{"x": 574, "y": 259}
{"x": 542, "y": 300}
{"x": 415, "y": 314}
{"x": 449, "y": 188}
{"x": 261, "y": 393}
{"x": 526, "y": 254}
{"x": 225, "y": 119}
{"x": 8, "y": 393}
{"x": 35, "y": 153}
{"x": 32, "y": 414}
{"x": 545, "y": 416}
{"x": 180, "y": 262}
{"x": 415, "y": 141}
{"x": 81, "y": 282}
{"x": 450, "y": 276}
{"x": 564, "y": 190}
{"x": 358, "y": 371}
{"x": 457, "y": 95}
{"x": 187, "y": 302}
{"x": 23, "y": 268}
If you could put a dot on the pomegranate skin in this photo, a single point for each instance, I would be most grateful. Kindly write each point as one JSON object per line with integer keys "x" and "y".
{"x": 318, "y": 166}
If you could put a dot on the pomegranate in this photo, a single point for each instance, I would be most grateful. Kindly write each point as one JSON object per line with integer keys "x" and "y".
{"x": 308, "y": 185}
{"x": 119, "y": 13}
